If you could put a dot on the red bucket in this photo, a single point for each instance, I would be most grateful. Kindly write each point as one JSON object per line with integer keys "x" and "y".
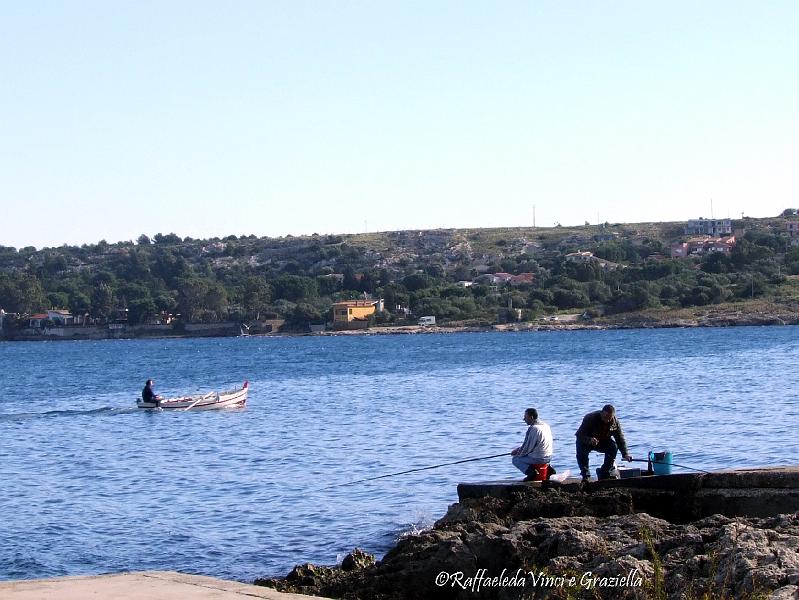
{"x": 540, "y": 472}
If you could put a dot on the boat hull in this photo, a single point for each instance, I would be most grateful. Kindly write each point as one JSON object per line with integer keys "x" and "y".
{"x": 210, "y": 401}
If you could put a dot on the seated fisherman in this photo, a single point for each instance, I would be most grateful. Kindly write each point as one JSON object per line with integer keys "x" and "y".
{"x": 534, "y": 455}
{"x": 148, "y": 395}
{"x": 597, "y": 433}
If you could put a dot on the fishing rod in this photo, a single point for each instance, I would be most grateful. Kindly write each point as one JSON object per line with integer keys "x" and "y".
{"x": 641, "y": 460}
{"x": 457, "y": 462}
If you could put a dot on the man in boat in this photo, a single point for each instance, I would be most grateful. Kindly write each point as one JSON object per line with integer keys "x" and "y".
{"x": 600, "y": 431}
{"x": 534, "y": 455}
{"x": 148, "y": 395}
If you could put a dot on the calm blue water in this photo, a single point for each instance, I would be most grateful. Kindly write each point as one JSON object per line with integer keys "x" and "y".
{"x": 91, "y": 484}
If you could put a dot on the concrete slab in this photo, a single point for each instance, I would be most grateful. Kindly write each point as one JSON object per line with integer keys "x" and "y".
{"x": 681, "y": 497}
{"x": 145, "y": 585}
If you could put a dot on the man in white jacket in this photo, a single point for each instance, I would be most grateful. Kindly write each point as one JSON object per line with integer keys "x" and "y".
{"x": 534, "y": 455}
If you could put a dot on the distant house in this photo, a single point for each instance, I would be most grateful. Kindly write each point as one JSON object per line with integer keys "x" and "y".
{"x": 699, "y": 246}
{"x": 61, "y": 317}
{"x": 491, "y": 279}
{"x": 679, "y": 250}
{"x": 580, "y": 257}
{"x": 586, "y": 257}
{"x": 38, "y": 320}
{"x": 465, "y": 284}
{"x": 522, "y": 279}
{"x": 354, "y": 314}
{"x": 723, "y": 245}
{"x": 711, "y": 227}
{"x": 57, "y": 318}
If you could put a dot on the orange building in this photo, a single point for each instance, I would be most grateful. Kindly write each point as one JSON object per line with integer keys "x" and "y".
{"x": 354, "y": 314}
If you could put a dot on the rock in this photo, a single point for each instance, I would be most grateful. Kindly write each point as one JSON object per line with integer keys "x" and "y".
{"x": 554, "y": 544}
{"x": 788, "y": 592}
{"x": 357, "y": 559}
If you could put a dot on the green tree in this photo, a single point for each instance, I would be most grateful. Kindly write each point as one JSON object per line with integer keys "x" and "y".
{"x": 169, "y": 238}
{"x": 599, "y": 292}
{"x": 570, "y": 298}
{"x": 395, "y": 294}
{"x": 21, "y": 294}
{"x": 191, "y": 297}
{"x": 745, "y": 253}
{"x": 79, "y": 303}
{"x": 716, "y": 262}
{"x": 103, "y": 301}
{"x": 328, "y": 285}
{"x": 750, "y": 285}
{"x": 417, "y": 281}
{"x": 216, "y": 301}
{"x": 57, "y": 299}
{"x": 295, "y": 288}
{"x": 587, "y": 271}
{"x": 256, "y": 296}
{"x": 140, "y": 310}
{"x": 545, "y": 297}
{"x": 131, "y": 291}
{"x": 303, "y": 315}
{"x": 635, "y": 296}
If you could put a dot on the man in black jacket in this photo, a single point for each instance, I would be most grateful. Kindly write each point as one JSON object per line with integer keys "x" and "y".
{"x": 148, "y": 395}
{"x": 597, "y": 433}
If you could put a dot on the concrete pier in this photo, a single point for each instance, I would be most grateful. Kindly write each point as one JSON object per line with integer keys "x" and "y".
{"x": 683, "y": 497}
{"x": 145, "y": 585}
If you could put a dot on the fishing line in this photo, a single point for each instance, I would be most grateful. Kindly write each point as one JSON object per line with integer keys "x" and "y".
{"x": 457, "y": 462}
{"x": 641, "y": 460}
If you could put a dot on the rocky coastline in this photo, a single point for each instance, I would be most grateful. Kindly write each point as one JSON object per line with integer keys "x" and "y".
{"x": 719, "y": 316}
{"x": 569, "y": 543}
{"x": 626, "y": 321}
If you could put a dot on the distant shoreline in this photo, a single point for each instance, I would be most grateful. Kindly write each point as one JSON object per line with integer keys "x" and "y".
{"x": 712, "y": 317}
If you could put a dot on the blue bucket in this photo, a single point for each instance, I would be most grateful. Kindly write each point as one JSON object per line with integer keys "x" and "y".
{"x": 661, "y": 462}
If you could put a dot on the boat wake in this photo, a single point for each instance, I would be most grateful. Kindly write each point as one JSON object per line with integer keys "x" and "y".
{"x": 103, "y": 411}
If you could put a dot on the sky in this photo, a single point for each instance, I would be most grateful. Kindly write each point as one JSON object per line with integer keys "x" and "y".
{"x": 210, "y": 119}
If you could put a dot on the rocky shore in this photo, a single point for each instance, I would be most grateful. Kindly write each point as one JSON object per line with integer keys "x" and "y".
{"x": 730, "y": 315}
{"x": 568, "y": 543}
{"x": 757, "y": 313}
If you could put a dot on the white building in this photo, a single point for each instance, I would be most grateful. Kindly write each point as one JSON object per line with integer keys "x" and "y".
{"x": 712, "y": 227}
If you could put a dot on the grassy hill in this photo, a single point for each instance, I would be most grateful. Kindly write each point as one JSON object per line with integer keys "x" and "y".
{"x": 297, "y": 278}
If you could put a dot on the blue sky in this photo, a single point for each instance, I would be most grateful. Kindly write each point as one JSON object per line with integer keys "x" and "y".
{"x": 275, "y": 118}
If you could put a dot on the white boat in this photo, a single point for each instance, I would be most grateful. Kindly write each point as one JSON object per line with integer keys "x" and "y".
{"x": 210, "y": 401}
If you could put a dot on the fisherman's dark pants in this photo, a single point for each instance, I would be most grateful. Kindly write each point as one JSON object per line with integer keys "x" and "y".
{"x": 608, "y": 447}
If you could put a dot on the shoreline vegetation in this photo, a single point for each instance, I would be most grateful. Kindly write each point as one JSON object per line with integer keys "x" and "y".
{"x": 758, "y": 314}
{"x": 524, "y": 278}
{"x": 746, "y": 313}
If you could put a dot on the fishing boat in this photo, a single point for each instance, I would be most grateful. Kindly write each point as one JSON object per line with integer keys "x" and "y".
{"x": 210, "y": 401}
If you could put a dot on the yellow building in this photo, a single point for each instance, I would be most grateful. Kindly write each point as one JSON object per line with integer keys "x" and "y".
{"x": 354, "y": 314}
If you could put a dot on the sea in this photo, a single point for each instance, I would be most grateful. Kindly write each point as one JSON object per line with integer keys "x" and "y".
{"x": 91, "y": 484}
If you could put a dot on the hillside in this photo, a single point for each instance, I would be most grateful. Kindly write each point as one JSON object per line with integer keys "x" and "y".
{"x": 249, "y": 279}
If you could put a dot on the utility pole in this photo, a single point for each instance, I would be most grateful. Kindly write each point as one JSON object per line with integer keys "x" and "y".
{"x": 533, "y": 216}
